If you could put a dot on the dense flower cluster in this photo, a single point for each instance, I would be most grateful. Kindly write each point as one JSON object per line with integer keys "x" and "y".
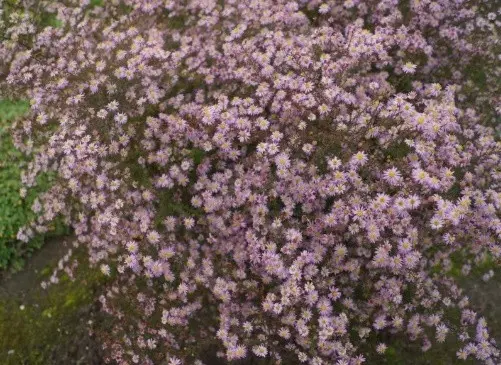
{"x": 278, "y": 176}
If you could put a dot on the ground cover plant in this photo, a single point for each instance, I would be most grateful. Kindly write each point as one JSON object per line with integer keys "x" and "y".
{"x": 13, "y": 218}
{"x": 15, "y": 206}
{"x": 294, "y": 181}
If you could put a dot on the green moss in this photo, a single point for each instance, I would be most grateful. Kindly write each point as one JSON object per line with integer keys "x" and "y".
{"x": 48, "y": 320}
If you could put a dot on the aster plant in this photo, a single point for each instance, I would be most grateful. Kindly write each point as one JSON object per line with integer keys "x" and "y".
{"x": 267, "y": 179}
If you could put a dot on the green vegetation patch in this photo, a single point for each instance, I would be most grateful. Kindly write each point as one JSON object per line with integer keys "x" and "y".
{"x": 15, "y": 211}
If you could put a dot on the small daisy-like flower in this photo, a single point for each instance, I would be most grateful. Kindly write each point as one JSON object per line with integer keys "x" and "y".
{"x": 302, "y": 357}
{"x": 262, "y": 123}
{"x": 382, "y": 200}
{"x": 420, "y": 175}
{"x": 121, "y": 118}
{"x": 239, "y": 352}
{"x": 436, "y": 223}
{"x": 42, "y": 118}
{"x": 284, "y": 333}
{"x": 100, "y": 65}
{"x": 131, "y": 246}
{"x": 360, "y": 158}
{"x": 413, "y": 201}
{"x": 112, "y": 106}
{"x": 334, "y": 163}
{"x": 380, "y": 323}
{"x": 260, "y": 350}
{"x": 247, "y": 326}
{"x": 330, "y": 220}
{"x": 405, "y": 245}
{"x": 442, "y": 331}
{"x": 462, "y": 354}
{"x": 400, "y": 204}
{"x": 409, "y": 68}
{"x": 392, "y": 176}
{"x": 189, "y": 222}
{"x": 323, "y": 9}
{"x": 276, "y": 136}
{"x": 153, "y": 237}
{"x": 105, "y": 269}
{"x": 334, "y": 294}
{"x": 262, "y": 147}
{"x": 323, "y": 109}
{"x": 174, "y": 361}
{"x": 397, "y": 322}
{"x": 307, "y": 148}
{"x": 381, "y": 348}
{"x": 101, "y": 114}
{"x": 272, "y": 148}
{"x": 282, "y": 161}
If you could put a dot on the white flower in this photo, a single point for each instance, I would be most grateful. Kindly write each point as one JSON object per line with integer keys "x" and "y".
{"x": 282, "y": 161}
{"x": 381, "y": 348}
{"x": 174, "y": 361}
{"x": 121, "y": 118}
{"x": 409, "y": 68}
{"x": 105, "y": 269}
{"x": 323, "y": 9}
{"x": 260, "y": 350}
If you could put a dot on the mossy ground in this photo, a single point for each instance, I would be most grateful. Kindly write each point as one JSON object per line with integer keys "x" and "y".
{"x": 42, "y": 327}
